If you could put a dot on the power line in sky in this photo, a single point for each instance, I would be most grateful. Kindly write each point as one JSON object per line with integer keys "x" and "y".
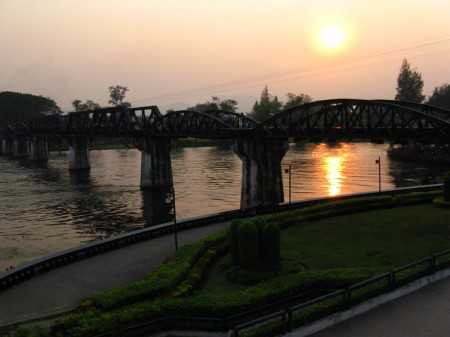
{"x": 422, "y": 48}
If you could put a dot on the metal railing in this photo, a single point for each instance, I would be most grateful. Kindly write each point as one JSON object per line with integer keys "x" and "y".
{"x": 277, "y": 321}
{"x": 344, "y": 299}
{"x": 39, "y": 266}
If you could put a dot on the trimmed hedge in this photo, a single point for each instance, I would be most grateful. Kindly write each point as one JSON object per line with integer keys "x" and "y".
{"x": 447, "y": 186}
{"x": 159, "y": 295}
{"x": 248, "y": 239}
{"x": 234, "y": 241}
{"x": 271, "y": 245}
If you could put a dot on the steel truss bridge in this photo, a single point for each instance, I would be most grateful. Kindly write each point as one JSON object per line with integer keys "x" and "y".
{"x": 260, "y": 146}
{"x": 334, "y": 119}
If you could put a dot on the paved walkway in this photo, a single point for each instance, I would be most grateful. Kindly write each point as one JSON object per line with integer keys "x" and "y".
{"x": 61, "y": 289}
{"x": 424, "y": 313}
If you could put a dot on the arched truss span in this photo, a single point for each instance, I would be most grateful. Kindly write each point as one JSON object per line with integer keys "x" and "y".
{"x": 425, "y": 108}
{"x": 355, "y": 118}
{"x": 234, "y": 119}
{"x": 187, "y": 123}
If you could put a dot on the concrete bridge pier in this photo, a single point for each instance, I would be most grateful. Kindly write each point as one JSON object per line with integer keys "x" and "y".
{"x": 79, "y": 153}
{"x": 7, "y": 145}
{"x": 156, "y": 164}
{"x": 262, "y": 182}
{"x": 38, "y": 148}
{"x": 20, "y": 146}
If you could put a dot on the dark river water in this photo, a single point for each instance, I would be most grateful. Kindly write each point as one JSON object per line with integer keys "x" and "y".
{"x": 45, "y": 209}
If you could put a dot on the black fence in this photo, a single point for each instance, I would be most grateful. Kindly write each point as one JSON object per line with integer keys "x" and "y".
{"x": 270, "y": 320}
{"x": 37, "y": 267}
{"x": 343, "y": 299}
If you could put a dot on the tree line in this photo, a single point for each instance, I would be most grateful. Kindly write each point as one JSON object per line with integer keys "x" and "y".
{"x": 16, "y": 108}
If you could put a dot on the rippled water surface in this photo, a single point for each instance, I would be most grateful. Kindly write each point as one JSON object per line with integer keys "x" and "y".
{"x": 45, "y": 209}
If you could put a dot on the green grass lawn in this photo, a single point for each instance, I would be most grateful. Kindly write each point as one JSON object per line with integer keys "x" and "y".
{"x": 384, "y": 238}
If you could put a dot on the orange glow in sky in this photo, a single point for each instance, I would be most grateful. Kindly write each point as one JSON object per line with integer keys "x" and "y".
{"x": 177, "y": 53}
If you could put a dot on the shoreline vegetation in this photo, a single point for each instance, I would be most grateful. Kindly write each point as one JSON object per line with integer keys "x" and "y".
{"x": 433, "y": 154}
{"x": 190, "y": 283}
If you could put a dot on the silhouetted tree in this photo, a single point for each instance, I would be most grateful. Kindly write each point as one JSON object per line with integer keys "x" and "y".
{"x": 409, "y": 84}
{"x": 215, "y": 104}
{"x": 295, "y": 100}
{"x": 88, "y": 105}
{"x": 440, "y": 96}
{"x": 267, "y": 106}
{"x": 117, "y": 94}
{"x": 16, "y": 108}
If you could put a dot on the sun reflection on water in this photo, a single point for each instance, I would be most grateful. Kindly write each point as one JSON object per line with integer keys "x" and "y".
{"x": 334, "y": 167}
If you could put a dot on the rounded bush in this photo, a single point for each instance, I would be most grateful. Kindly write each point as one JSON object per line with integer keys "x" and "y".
{"x": 271, "y": 245}
{"x": 248, "y": 245}
{"x": 447, "y": 186}
{"x": 234, "y": 241}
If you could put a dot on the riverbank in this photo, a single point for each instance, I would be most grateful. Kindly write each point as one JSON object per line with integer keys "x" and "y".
{"x": 431, "y": 154}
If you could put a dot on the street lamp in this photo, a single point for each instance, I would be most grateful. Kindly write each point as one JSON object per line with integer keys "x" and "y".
{"x": 170, "y": 199}
{"x": 378, "y": 162}
{"x": 288, "y": 170}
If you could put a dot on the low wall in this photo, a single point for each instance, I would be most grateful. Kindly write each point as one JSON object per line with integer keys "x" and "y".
{"x": 47, "y": 263}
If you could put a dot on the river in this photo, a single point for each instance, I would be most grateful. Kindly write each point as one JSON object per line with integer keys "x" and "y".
{"x": 46, "y": 209}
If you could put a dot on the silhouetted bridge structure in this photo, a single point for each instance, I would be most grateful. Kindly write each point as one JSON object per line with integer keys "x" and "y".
{"x": 260, "y": 146}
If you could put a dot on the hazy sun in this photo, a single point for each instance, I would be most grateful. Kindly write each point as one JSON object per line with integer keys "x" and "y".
{"x": 332, "y": 37}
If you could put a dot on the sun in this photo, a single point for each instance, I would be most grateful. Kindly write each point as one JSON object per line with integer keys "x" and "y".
{"x": 332, "y": 37}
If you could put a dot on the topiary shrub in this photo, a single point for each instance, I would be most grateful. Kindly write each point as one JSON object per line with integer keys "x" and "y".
{"x": 234, "y": 241}
{"x": 260, "y": 224}
{"x": 447, "y": 186}
{"x": 248, "y": 245}
{"x": 271, "y": 245}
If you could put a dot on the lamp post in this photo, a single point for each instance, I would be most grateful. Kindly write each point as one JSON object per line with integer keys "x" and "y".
{"x": 378, "y": 162}
{"x": 288, "y": 170}
{"x": 170, "y": 199}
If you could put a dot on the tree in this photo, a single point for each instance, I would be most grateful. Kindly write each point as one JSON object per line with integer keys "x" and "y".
{"x": 117, "y": 94}
{"x": 215, "y": 104}
{"x": 409, "y": 84}
{"x": 267, "y": 106}
{"x": 440, "y": 96}
{"x": 88, "y": 105}
{"x": 16, "y": 108}
{"x": 295, "y": 100}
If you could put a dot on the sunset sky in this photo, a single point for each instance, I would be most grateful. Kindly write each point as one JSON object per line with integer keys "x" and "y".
{"x": 185, "y": 51}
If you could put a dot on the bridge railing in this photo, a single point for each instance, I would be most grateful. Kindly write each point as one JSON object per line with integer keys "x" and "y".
{"x": 39, "y": 266}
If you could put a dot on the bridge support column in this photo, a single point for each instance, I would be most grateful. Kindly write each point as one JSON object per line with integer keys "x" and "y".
{"x": 7, "y": 145}
{"x": 79, "y": 153}
{"x": 156, "y": 164}
{"x": 38, "y": 148}
{"x": 262, "y": 182}
{"x": 20, "y": 146}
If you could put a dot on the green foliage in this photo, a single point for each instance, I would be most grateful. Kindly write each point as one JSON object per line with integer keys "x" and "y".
{"x": 16, "y": 108}
{"x": 88, "y": 105}
{"x": 234, "y": 241}
{"x": 417, "y": 197}
{"x": 33, "y": 330}
{"x": 271, "y": 245}
{"x": 161, "y": 281}
{"x": 117, "y": 94}
{"x": 447, "y": 186}
{"x": 200, "y": 256}
{"x": 441, "y": 97}
{"x": 248, "y": 245}
{"x": 216, "y": 104}
{"x": 409, "y": 84}
{"x": 268, "y": 105}
{"x": 296, "y": 100}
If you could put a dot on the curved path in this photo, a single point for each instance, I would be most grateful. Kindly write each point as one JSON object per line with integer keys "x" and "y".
{"x": 423, "y": 313}
{"x": 61, "y": 289}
